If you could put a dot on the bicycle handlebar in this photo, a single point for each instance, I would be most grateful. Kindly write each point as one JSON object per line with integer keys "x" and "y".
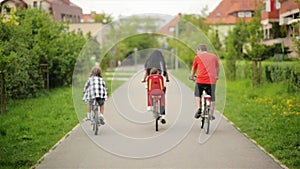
{"x": 193, "y": 78}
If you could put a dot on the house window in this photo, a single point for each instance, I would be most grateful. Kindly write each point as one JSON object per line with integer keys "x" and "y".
{"x": 63, "y": 17}
{"x": 241, "y": 14}
{"x": 35, "y": 4}
{"x": 248, "y": 14}
{"x": 171, "y": 28}
{"x": 6, "y": 9}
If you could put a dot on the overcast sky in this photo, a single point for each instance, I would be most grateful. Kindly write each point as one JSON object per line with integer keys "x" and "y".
{"x": 130, "y": 7}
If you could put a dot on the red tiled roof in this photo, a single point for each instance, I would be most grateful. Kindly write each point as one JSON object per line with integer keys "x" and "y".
{"x": 223, "y": 12}
{"x": 288, "y": 5}
{"x": 89, "y": 17}
{"x": 166, "y": 29}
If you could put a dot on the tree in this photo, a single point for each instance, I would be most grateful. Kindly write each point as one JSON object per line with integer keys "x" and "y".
{"x": 255, "y": 49}
{"x": 131, "y": 31}
{"x": 36, "y": 39}
{"x": 231, "y": 57}
{"x": 103, "y": 18}
{"x": 197, "y": 20}
{"x": 215, "y": 40}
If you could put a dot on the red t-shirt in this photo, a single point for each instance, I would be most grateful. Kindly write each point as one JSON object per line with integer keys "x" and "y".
{"x": 207, "y": 66}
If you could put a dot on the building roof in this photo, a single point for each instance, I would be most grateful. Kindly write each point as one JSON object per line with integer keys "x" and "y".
{"x": 223, "y": 14}
{"x": 287, "y": 6}
{"x": 90, "y": 17}
{"x": 166, "y": 28}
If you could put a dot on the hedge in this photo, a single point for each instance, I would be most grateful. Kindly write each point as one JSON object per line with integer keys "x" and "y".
{"x": 287, "y": 72}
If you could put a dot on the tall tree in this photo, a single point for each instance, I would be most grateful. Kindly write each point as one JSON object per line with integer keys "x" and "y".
{"x": 255, "y": 49}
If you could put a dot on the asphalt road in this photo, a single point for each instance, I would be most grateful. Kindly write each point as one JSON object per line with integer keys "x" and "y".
{"x": 128, "y": 139}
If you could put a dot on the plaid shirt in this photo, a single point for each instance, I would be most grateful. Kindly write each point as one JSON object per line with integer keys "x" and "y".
{"x": 95, "y": 87}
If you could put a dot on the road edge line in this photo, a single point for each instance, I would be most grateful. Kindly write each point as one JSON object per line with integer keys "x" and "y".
{"x": 54, "y": 147}
{"x": 254, "y": 142}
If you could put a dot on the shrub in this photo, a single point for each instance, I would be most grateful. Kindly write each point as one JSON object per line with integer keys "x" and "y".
{"x": 284, "y": 72}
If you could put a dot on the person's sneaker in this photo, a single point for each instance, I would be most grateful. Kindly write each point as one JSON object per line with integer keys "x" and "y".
{"x": 101, "y": 118}
{"x": 162, "y": 119}
{"x": 213, "y": 117}
{"x": 198, "y": 114}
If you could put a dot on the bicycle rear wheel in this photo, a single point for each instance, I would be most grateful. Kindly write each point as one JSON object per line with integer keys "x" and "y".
{"x": 206, "y": 121}
{"x": 156, "y": 111}
{"x": 96, "y": 123}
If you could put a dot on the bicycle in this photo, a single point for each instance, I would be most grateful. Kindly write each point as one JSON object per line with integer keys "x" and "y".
{"x": 156, "y": 96}
{"x": 156, "y": 104}
{"x": 95, "y": 122}
{"x": 205, "y": 109}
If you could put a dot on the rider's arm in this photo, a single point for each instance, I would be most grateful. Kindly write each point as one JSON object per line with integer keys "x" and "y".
{"x": 167, "y": 76}
{"x": 194, "y": 69}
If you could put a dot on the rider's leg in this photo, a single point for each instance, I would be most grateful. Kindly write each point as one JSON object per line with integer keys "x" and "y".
{"x": 197, "y": 94}
{"x": 163, "y": 112}
{"x": 101, "y": 104}
{"x": 102, "y": 110}
{"x": 198, "y": 101}
{"x": 213, "y": 103}
{"x": 89, "y": 109}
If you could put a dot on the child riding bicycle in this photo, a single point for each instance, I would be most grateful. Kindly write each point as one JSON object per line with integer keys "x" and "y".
{"x": 155, "y": 87}
{"x": 95, "y": 89}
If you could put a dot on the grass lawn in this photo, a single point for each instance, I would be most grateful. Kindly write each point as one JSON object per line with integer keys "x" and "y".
{"x": 268, "y": 115}
{"x": 31, "y": 127}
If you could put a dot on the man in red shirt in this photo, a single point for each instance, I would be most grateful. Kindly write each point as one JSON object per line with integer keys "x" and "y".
{"x": 207, "y": 66}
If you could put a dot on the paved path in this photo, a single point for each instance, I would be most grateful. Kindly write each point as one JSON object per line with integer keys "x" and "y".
{"x": 128, "y": 139}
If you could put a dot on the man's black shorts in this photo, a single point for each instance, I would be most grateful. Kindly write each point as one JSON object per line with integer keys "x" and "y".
{"x": 209, "y": 88}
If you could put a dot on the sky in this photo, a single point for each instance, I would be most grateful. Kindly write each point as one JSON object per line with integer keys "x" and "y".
{"x": 119, "y": 8}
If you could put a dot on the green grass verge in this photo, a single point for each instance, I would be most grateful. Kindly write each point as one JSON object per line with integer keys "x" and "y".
{"x": 268, "y": 115}
{"x": 31, "y": 127}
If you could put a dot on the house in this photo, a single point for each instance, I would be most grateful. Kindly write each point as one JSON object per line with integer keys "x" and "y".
{"x": 6, "y": 6}
{"x": 284, "y": 14}
{"x": 270, "y": 18}
{"x": 61, "y": 10}
{"x": 90, "y": 17}
{"x": 170, "y": 28}
{"x": 228, "y": 13}
{"x": 289, "y": 15}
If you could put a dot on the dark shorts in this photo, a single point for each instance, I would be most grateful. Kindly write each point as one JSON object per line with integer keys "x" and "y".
{"x": 209, "y": 88}
{"x": 100, "y": 101}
